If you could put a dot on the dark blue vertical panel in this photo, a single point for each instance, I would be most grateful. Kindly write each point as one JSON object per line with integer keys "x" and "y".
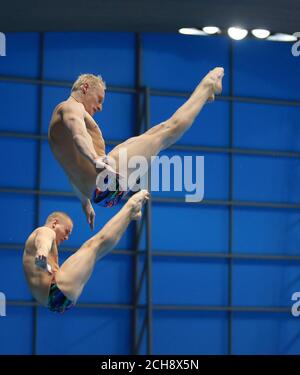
{"x": 179, "y": 62}
{"x": 12, "y": 279}
{"x": 189, "y": 281}
{"x": 18, "y": 162}
{"x": 22, "y": 53}
{"x": 84, "y": 331}
{"x": 211, "y": 127}
{"x": 259, "y": 70}
{"x": 18, "y": 221}
{"x": 268, "y": 127}
{"x": 110, "y": 282}
{"x": 16, "y": 331}
{"x": 188, "y": 228}
{"x": 18, "y": 107}
{"x": 265, "y": 334}
{"x": 180, "y": 332}
{"x": 289, "y": 336}
{"x": 269, "y": 179}
{"x": 265, "y": 283}
{"x": 53, "y": 177}
{"x": 117, "y": 120}
{"x": 110, "y": 54}
{"x": 266, "y": 231}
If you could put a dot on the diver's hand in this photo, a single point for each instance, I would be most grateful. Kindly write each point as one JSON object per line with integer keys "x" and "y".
{"x": 89, "y": 213}
{"x": 41, "y": 262}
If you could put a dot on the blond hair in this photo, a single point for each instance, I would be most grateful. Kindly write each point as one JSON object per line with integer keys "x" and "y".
{"x": 60, "y": 215}
{"x": 92, "y": 79}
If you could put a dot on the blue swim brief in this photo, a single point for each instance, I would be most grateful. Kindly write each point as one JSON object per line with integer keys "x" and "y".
{"x": 108, "y": 198}
{"x": 57, "y": 301}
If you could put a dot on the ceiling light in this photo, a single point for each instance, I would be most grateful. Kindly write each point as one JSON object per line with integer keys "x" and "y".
{"x": 211, "y": 30}
{"x": 237, "y": 33}
{"x": 191, "y": 31}
{"x": 279, "y": 37}
{"x": 260, "y": 33}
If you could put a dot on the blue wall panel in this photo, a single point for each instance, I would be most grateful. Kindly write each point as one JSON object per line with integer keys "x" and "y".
{"x": 111, "y": 281}
{"x": 84, "y": 331}
{"x": 195, "y": 333}
{"x": 117, "y": 121}
{"x": 19, "y": 219}
{"x": 22, "y": 55}
{"x": 266, "y": 231}
{"x": 208, "y": 229}
{"x": 266, "y": 179}
{"x": 189, "y": 281}
{"x": 109, "y": 54}
{"x": 12, "y": 282}
{"x": 267, "y": 127}
{"x": 258, "y": 70}
{"x": 264, "y": 283}
{"x": 18, "y": 167}
{"x": 16, "y": 331}
{"x": 266, "y": 334}
{"x": 181, "y": 61}
{"x": 53, "y": 176}
{"x": 18, "y": 107}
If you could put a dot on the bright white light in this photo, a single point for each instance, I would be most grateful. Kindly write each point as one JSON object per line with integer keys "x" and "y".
{"x": 211, "y": 30}
{"x": 191, "y": 31}
{"x": 260, "y": 33}
{"x": 237, "y": 33}
{"x": 279, "y": 37}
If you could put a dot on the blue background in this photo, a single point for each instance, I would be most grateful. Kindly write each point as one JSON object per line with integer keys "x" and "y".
{"x": 171, "y": 62}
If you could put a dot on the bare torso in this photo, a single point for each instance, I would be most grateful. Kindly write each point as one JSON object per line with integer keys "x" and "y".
{"x": 38, "y": 280}
{"x": 79, "y": 169}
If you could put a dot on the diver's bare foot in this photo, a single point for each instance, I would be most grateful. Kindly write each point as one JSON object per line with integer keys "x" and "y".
{"x": 213, "y": 80}
{"x": 136, "y": 203}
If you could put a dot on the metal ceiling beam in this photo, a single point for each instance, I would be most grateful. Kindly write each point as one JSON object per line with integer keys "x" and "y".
{"x": 146, "y": 16}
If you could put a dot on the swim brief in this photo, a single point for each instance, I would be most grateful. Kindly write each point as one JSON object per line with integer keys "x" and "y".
{"x": 109, "y": 197}
{"x": 57, "y": 301}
